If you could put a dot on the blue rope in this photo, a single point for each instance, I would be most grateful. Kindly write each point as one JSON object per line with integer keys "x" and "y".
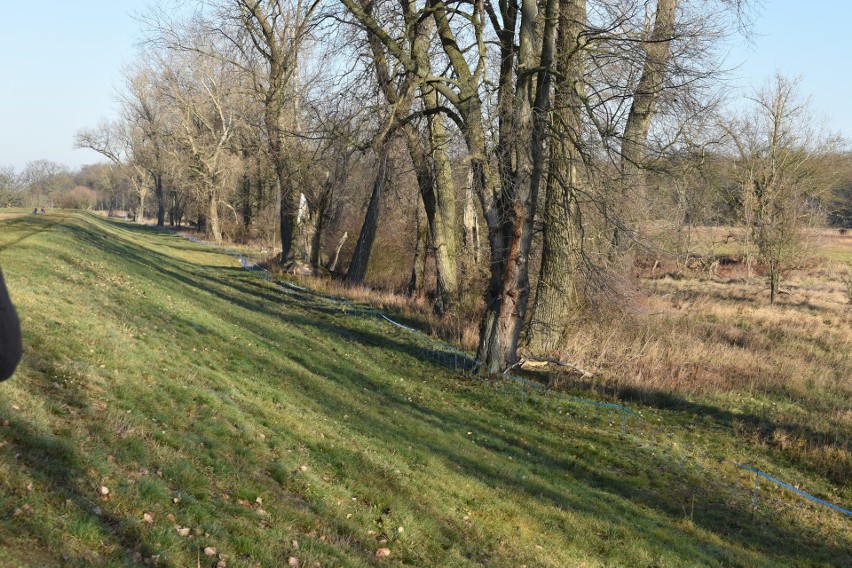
{"x": 793, "y": 489}
{"x": 386, "y": 318}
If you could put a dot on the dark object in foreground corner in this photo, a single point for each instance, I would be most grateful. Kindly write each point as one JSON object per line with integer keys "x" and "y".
{"x": 10, "y": 334}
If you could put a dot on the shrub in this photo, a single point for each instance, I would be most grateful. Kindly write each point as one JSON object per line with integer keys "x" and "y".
{"x": 81, "y": 197}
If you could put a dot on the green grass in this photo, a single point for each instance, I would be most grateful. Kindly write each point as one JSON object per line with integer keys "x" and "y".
{"x": 273, "y": 427}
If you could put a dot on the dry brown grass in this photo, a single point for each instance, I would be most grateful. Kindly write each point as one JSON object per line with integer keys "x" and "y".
{"x": 697, "y": 337}
{"x": 695, "y": 333}
{"x": 779, "y": 375}
{"x": 460, "y": 328}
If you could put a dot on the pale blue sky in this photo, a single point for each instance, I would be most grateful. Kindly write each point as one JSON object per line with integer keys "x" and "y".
{"x": 810, "y": 38}
{"x": 61, "y": 62}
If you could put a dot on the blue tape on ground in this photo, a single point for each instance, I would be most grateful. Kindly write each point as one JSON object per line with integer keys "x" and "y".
{"x": 386, "y": 318}
{"x": 294, "y": 286}
{"x": 571, "y": 398}
{"x": 793, "y": 489}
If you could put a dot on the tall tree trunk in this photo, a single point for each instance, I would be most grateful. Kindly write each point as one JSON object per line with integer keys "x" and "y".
{"x": 140, "y": 217}
{"x": 277, "y": 33}
{"x": 305, "y": 230}
{"x": 434, "y": 175}
{"x": 657, "y": 51}
{"x": 246, "y": 198}
{"x": 333, "y": 266}
{"x": 161, "y": 204}
{"x": 773, "y": 281}
{"x": 556, "y": 294}
{"x": 316, "y": 237}
{"x": 173, "y": 208}
{"x": 213, "y": 215}
{"x": 443, "y": 219}
{"x": 286, "y": 221}
{"x": 260, "y": 195}
{"x": 275, "y": 120}
{"x": 286, "y": 211}
{"x": 418, "y": 268}
{"x": 512, "y": 231}
{"x": 505, "y": 304}
{"x": 364, "y": 247}
{"x": 470, "y": 224}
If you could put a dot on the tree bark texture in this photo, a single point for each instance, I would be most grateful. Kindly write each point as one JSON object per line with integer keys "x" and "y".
{"x": 333, "y": 266}
{"x": 470, "y": 224}
{"x": 363, "y": 248}
{"x": 418, "y": 268}
{"x": 556, "y": 293}
{"x": 433, "y": 171}
{"x": 522, "y": 168}
{"x": 442, "y": 218}
{"x": 213, "y": 215}
{"x": 284, "y": 187}
{"x": 161, "y": 202}
{"x": 657, "y": 52}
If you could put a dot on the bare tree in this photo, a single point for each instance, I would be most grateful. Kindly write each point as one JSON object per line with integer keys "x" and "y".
{"x": 426, "y": 136}
{"x": 778, "y": 152}
{"x": 118, "y": 142}
{"x": 556, "y": 295}
{"x": 43, "y": 179}
{"x": 615, "y": 71}
{"x": 262, "y": 40}
{"x": 357, "y": 270}
{"x": 142, "y": 110}
{"x": 11, "y": 188}
{"x": 507, "y": 190}
{"x": 204, "y": 100}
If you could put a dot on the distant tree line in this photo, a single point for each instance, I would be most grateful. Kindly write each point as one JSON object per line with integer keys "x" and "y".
{"x": 44, "y": 183}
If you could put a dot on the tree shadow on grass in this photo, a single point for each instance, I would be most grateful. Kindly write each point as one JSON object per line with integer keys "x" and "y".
{"x": 29, "y": 227}
{"x": 248, "y": 293}
{"x": 764, "y": 428}
{"x": 334, "y": 327}
{"x": 594, "y": 491}
{"x": 54, "y": 461}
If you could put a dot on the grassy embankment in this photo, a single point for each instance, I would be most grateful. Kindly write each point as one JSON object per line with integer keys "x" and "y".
{"x": 701, "y": 340}
{"x": 218, "y": 412}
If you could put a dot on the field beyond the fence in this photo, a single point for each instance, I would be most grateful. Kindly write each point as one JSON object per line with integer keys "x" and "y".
{"x": 174, "y": 409}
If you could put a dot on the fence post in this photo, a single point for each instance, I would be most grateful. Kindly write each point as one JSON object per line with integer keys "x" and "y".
{"x": 754, "y": 497}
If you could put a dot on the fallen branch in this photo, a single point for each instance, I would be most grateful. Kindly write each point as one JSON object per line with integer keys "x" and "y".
{"x": 530, "y": 361}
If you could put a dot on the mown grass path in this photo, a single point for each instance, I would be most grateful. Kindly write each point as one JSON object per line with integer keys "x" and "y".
{"x": 221, "y": 414}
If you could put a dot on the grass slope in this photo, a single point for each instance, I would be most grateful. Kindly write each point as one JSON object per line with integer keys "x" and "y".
{"x": 203, "y": 398}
